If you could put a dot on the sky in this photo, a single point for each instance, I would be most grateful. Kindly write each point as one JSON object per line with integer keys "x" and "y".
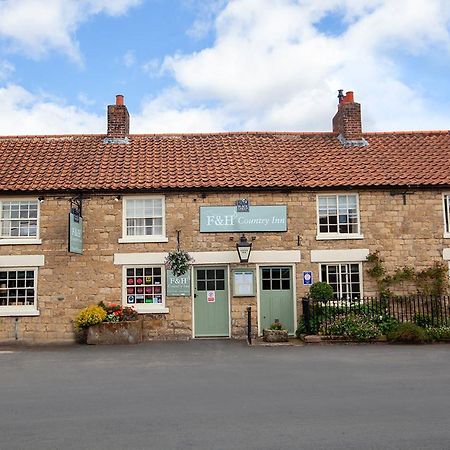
{"x": 218, "y": 65}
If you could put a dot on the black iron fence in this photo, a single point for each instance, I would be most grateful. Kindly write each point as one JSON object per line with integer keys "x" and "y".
{"x": 320, "y": 315}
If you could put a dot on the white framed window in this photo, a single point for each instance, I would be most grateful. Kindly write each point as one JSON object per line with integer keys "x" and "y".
{"x": 144, "y": 288}
{"x": 19, "y": 221}
{"x": 144, "y": 219}
{"x": 338, "y": 216}
{"x": 344, "y": 278}
{"x": 18, "y": 291}
{"x": 446, "y": 200}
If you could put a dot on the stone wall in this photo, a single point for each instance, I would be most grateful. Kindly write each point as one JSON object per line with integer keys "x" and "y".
{"x": 410, "y": 234}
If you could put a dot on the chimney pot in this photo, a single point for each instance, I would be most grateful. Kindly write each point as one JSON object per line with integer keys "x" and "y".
{"x": 349, "y": 97}
{"x": 119, "y": 100}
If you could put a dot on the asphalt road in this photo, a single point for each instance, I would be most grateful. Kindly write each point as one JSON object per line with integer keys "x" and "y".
{"x": 224, "y": 395}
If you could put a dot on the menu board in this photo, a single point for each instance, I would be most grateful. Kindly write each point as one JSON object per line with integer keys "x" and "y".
{"x": 244, "y": 283}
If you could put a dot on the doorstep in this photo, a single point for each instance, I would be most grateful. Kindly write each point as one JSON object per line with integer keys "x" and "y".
{"x": 293, "y": 342}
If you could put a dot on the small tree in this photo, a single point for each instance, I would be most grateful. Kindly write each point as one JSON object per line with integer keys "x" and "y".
{"x": 321, "y": 291}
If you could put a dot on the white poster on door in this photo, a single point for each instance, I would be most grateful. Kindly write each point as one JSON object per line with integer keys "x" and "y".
{"x": 211, "y": 296}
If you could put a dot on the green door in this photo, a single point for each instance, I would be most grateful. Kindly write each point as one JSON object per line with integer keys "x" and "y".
{"x": 276, "y": 297}
{"x": 211, "y": 312}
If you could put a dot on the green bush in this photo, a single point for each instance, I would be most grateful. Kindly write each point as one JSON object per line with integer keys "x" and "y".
{"x": 438, "y": 333}
{"x": 422, "y": 320}
{"x": 301, "y": 328}
{"x": 353, "y": 326}
{"x": 386, "y": 323}
{"x": 321, "y": 291}
{"x": 408, "y": 332}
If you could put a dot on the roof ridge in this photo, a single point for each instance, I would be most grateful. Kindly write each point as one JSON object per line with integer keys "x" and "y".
{"x": 222, "y": 133}
{"x": 372, "y": 133}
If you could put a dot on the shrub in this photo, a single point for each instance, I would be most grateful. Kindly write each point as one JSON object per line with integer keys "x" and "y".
{"x": 438, "y": 333}
{"x": 321, "y": 291}
{"x": 386, "y": 323}
{"x": 353, "y": 326}
{"x": 88, "y": 316}
{"x": 408, "y": 332}
{"x": 301, "y": 328}
{"x": 422, "y": 320}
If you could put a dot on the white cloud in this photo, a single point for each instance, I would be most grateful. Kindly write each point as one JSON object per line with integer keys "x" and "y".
{"x": 6, "y": 69}
{"x": 34, "y": 27}
{"x": 129, "y": 58}
{"x": 271, "y": 67}
{"x": 25, "y": 113}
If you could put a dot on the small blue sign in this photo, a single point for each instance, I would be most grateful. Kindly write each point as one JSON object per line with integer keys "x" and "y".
{"x": 307, "y": 278}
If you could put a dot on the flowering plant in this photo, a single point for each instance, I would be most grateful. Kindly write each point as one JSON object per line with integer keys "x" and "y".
{"x": 118, "y": 313}
{"x": 88, "y": 316}
{"x": 178, "y": 262}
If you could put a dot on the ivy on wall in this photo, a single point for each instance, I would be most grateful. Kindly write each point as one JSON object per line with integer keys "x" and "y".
{"x": 430, "y": 281}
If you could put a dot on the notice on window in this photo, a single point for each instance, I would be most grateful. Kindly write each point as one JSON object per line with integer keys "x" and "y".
{"x": 244, "y": 283}
{"x": 211, "y": 296}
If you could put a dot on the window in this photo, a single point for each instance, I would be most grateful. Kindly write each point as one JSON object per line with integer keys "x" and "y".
{"x": 447, "y": 215}
{"x": 18, "y": 291}
{"x": 144, "y": 288}
{"x": 275, "y": 279}
{"x": 338, "y": 216}
{"x": 19, "y": 221}
{"x": 143, "y": 220}
{"x": 345, "y": 279}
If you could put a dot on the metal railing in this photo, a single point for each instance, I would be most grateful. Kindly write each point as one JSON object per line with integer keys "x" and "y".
{"x": 432, "y": 311}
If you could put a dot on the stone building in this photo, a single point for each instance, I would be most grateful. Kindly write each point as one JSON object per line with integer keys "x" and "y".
{"x": 313, "y": 205}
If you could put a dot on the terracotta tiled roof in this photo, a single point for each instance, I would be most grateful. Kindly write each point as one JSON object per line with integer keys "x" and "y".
{"x": 223, "y": 160}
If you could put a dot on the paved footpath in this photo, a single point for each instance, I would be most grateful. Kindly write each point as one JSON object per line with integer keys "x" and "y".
{"x": 224, "y": 395}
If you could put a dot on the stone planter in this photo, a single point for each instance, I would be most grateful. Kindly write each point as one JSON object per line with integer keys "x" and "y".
{"x": 115, "y": 333}
{"x": 275, "y": 335}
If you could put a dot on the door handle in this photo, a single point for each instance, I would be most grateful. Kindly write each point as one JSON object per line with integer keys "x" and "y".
{"x": 195, "y": 295}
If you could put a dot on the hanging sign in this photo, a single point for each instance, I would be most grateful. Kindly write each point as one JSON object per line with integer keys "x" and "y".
{"x": 211, "y": 296}
{"x": 178, "y": 286}
{"x": 225, "y": 219}
{"x": 75, "y": 232}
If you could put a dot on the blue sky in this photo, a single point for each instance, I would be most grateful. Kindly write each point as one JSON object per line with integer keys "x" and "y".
{"x": 215, "y": 65}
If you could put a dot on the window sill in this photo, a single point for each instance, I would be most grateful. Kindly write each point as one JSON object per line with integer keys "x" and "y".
{"x": 153, "y": 311}
{"x": 128, "y": 240}
{"x": 446, "y": 235}
{"x": 17, "y": 312}
{"x": 20, "y": 241}
{"x": 333, "y": 237}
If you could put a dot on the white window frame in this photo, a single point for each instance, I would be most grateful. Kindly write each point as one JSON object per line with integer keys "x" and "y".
{"x": 446, "y": 213}
{"x": 339, "y": 263}
{"x": 21, "y": 239}
{"x": 22, "y": 310}
{"x": 326, "y": 236}
{"x": 145, "y": 308}
{"x": 144, "y": 238}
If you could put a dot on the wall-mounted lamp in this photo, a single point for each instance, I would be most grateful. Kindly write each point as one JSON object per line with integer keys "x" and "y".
{"x": 244, "y": 249}
{"x": 41, "y": 199}
{"x": 117, "y": 198}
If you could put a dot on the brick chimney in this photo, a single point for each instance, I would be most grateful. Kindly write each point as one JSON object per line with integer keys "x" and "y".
{"x": 347, "y": 121}
{"x": 118, "y": 120}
